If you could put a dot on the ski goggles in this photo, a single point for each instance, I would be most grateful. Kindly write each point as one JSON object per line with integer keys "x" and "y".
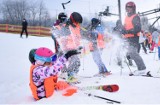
{"x": 45, "y": 59}
{"x": 39, "y": 62}
{"x": 129, "y": 6}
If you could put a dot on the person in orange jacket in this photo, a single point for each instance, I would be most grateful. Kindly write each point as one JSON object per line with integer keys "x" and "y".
{"x": 142, "y": 39}
{"x": 96, "y": 45}
{"x": 148, "y": 41}
{"x": 155, "y": 36}
{"x": 68, "y": 35}
{"x": 131, "y": 30}
{"x": 44, "y": 69}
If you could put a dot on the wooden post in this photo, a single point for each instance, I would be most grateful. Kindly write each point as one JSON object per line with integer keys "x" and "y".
{"x": 6, "y": 27}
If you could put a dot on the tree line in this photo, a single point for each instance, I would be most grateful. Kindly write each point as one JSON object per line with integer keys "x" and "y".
{"x": 35, "y": 11}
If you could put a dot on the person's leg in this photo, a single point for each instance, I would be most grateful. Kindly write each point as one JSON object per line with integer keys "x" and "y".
{"x": 152, "y": 47}
{"x": 159, "y": 52}
{"x": 73, "y": 67}
{"x": 26, "y": 33}
{"x": 146, "y": 43}
{"x": 98, "y": 60}
{"x": 144, "y": 48}
{"x": 149, "y": 46}
{"x": 139, "y": 47}
{"x": 137, "y": 58}
{"x": 22, "y": 33}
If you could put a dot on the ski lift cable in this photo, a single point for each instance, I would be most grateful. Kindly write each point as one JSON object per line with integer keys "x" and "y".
{"x": 157, "y": 21}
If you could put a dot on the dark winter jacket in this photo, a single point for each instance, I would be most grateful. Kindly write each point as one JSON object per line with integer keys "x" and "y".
{"x": 24, "y": 24}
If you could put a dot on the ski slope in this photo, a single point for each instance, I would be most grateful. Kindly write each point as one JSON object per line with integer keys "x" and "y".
{"x": 14, "y": 79}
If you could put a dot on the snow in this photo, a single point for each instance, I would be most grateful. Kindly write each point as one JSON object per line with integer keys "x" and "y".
{"x": 14, "y": 79}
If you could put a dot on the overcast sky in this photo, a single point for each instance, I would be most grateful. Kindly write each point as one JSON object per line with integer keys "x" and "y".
{"x": 90, "y": 7}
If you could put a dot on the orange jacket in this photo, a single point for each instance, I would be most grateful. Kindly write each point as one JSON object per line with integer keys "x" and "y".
{"x": 49, "y": 84}
{"x": 73, "y": 40}
{"x": 129, "y": 25}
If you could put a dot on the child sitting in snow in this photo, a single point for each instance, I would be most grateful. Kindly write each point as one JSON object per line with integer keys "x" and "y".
{"x": 44, "y": 69}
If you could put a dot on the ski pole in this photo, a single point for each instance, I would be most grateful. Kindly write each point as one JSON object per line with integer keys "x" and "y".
{"x": 89, "y": 94}
{"x": 127, "y": 64}
{"x": 110, "y": 59}
{"x": 155, "y": 53}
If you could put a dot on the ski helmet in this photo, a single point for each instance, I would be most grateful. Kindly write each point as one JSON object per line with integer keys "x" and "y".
{"x": 95, "y": 21}
{"x": 76, "y": 17}
{"x": 131, "y": 5}
{"x": 31, "y": 56}
{"x": 43, "y": 54}
{"x": 62, "y": 17}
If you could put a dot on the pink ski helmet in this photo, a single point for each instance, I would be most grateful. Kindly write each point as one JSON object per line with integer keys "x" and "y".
{"x": 43, "y": 54}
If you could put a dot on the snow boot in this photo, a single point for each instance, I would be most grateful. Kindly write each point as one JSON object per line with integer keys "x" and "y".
{"x": 63, "y": 75}
{"x": 138, "y": 73}
{"x": 72, "y": 79}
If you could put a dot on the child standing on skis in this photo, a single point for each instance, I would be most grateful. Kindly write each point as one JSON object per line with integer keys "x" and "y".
{"x": 44, "y": 69}
{"x": 69, "y": 36}
{"x": 96, "y": 45}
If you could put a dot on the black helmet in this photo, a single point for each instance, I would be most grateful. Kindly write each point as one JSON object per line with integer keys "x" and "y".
{"x": 31, "y": 55}
{"x": 95, "y": 21}
{"x": 75, "y": 17}
{"x": 62, "y": 17}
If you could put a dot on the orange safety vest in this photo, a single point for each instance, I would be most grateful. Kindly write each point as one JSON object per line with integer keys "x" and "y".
{"x": 49, "y": 84}
{"x": 73, "y": 40}
{"x": 100, "y": 41}
{"x": 129, "y": 25}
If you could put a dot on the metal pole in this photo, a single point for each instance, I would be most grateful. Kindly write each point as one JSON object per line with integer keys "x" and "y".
{"x": 119, "y": 10}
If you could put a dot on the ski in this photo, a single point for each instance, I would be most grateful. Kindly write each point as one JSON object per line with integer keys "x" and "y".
{"x": 147, "y": 75}
{"x": 73, "y": 83}
{"x": 150, "y": 76}
{"x": 108, "y": 88}
{"x": 104, "y": 98}
{"x": 97, "y": 75}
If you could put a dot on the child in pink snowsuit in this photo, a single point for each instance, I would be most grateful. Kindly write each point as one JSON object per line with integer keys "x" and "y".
{"x": 45, "y": 69}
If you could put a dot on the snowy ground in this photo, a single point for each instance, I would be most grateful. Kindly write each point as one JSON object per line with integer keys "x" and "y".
{"x": 14, "y": 79}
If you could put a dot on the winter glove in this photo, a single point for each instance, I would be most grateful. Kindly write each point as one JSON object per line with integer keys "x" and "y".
{"x": 70, "y": 53}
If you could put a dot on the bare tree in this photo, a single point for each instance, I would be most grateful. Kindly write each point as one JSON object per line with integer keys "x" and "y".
{"x": 13, "y": 11}
{"x": 33, "y": 13}
{"x": 41, "y": 9}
